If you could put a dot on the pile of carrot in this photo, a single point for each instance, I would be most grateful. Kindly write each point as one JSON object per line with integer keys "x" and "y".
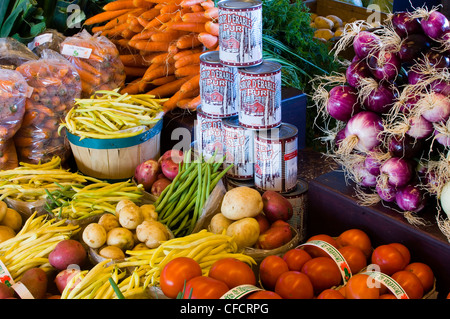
{"x": 160, "y": 43}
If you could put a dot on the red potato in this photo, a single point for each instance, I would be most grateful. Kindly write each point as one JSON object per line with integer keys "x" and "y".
{"x": 147, "y": 173}
{"x": 64, "y": 277}
{"x": 6, "y": 291}
{"x": 276, "y": 206}
{"x": 169, "y": 168}
{"x": 276, "y": 236}
{"x": 35, "y": 279}
{"x": 175, "y": 155}
{"x": 159, "y": 185}
{"x": 67, "y": 252}
{"x": 263, "y": 223}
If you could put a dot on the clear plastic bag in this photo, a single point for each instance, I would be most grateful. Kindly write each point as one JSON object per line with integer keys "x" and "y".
{"x": 13, "y": 53}
{"x": 49, "y": 39}
{"x": 56, "y": 84}
{"x": 97, "y": 61}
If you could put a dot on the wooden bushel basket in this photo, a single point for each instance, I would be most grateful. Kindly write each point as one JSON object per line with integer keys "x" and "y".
{"x": 115, "y": 159}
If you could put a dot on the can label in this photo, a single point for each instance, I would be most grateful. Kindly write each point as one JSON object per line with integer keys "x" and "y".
{"x": 298, "y": 199}
{"x": 240, "y": 35}
{"x": 209, "y": 134}
{"x": 218, "y": 89}
{"x": 276, "y": 164}
{"x": 260, "y": 100}
{"x": 238, "y": 151}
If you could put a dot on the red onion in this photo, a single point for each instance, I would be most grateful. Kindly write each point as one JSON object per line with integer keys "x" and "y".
{"x": 442, "y": 135}
{"x": 435, "y": 25}
{"x": 419, "y": 127}
{"x": 364, "y": 43}
{"x": 340, "y": 136}
{"x": 434, "y": 107}
{"x": 372, "y": 164}
{"x": 404, "y": 24}
{"x": 413, "y": 46}
{"x": 385, "y": 66}
{"x": 363, "y": 128}
{"x": 437, "y": 60}
{"x": 410, "y": 198}
{"x": 387, "y": 193}
{"x": 342, "y": 102}
{"x": 409, "y": 104}
{"x": 440, "y": 86}
{"x": 397, "y": 171}
{"x": 363, "y": 177}
{"x": 414, "y": 77}
{"x": 356, "y": 70}
{"x": 406, "y": 146}
{"x": 381, "y": 99}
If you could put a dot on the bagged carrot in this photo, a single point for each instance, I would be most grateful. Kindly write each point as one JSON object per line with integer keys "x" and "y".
{"x": 97, "y": 61}
{"x": 13, "y": 93}
{"x": 56, "y": 84}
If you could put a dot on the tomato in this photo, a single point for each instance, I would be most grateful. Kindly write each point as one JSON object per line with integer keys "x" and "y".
{"x": 264, "y": 294}
{"x": 387, "y": 296}
{"x": 204, "y": 287}
{"x": 448, "y": 296}
{"x": 296, "y": 258}
{"x": 316, "y": 251}
{"x": 355, "y": 258}
{"x": 270, "y": 269}
{"x": 175, "y": 273}
{"x": 330, "y": 294}
{"x": 404, "y": 251}
{"x": 355, "y": 237}
{"x": 323, "y": 273}
{"x": 388, "y": 258}
{"x": 360, "y": 286}
{"x": 410, "y": 283}
{"x": 424, "y": 273}
{"x": 294, "y": 285}
{"x": 233, "y": 272}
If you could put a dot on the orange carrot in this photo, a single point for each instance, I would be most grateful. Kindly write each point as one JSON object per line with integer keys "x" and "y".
{"x": 135, "y": 26}
{"x": 133, "y": 60}
{"x": 127, "y": 34}
{"x": 185, "y": 52}
{"x": 188, "y": 41}
{"x": 162, "y": 58}
{"x": 194, "y": 103}
{"x": 98, "y": 29}
{"x": 150, "y": 14}
{"x": 168, "y": 89}
{"x": 212, "y": 13}
{"x": 143, "y": 4}
{"x": 119, "y": 5}
{"x": 195, "y": 17}
{"x": 159, "y": 20}
{"x": 173, "y": 49}
{"x": 171, "y": 103}
{"x": 118, "y": 20}
{"x": 197, "y": 8}
{"x": 212, "y": 27}
{"x": 144, "y": 35}
{"x": 188, "y": 3}
{"x": 207, "y": 4}
{"x": 134, "y": 70}
{"x": 192, "y": 84}
{"x": 186, "y": 26}
{"x": 132, "y": 87}
{"x": 168, "y": 35}
{"x": 117, "y": 30}
{"x": 88, "y": 77}
{"x": 157, "y": 72}
{"x": 192, "y": 69}
{"x": 145, "y": 45}
{"x": 170, "y": 8}
{"x": 163, "y": 80}
{"x": 81, "y": 64}
{"x": 105, "y": 16}
{"x": 188, "y": 59}
{"x": 209, "y": 41}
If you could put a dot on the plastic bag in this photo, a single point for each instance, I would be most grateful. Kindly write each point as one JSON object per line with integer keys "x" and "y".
{"x": 13, "y": 93}
{"x": 13, "y": 53}
{"x": 55, "y": 84}
{"x": 97, "y": 61}
{"x": 49, "y": 39}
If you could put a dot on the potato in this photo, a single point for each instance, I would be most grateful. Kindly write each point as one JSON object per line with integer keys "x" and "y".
{"x": 64, "y": 277}
{"x": 245, "y": 232}
{"x": 140, "y": 246}
{"x": 36, "y": 281}
{"x": 112, "y": 252}
{"x": 130, "y": 216}
{"x": 151, "y": 233}
{"x": 94, "y": 235}
{"x": 323, "y": 23}
{"x": 6, "y": 292}
{"x": 67, "y": 252}
{"x": 109, "y": 221}
{"x": 219, "y": 223}
{"x": 12, "y": 219}
{"x": 120, "y": 237}
{"x": 312, "y": 25}
{"x": 149, "y": 212}
{"x": 325, "y": 34}
{"x": 6, "y": 233}
{"x": 3, "y": 209}
{"x": 121, "y": 204}
{"x": 313, "y": 16}
{"x": 337, "y": 22}
{"x": 276, "y": 206}
{"x": 339, "y": 32}
{"x": 241, "y": 202}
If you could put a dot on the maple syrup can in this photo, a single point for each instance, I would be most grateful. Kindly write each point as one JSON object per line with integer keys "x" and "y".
{"x": 240, "y": 32}
{"x": 218, "y": 86}
{"x": 259, "y": 96}
{"x": 233, "y": 183}
{"x": 298, "y": 199}
{"x": 238, "y": 142}
{"x": 275, "y": 153}
{"x": 209, "y": 135}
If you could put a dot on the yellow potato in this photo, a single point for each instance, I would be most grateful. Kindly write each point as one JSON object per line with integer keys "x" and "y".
{"x": 112, "y": 252}
{"x": 6, "y": 233}
{"x": 325, "y": 34}
{"x": 337, "y": 22}
{"x": 338, "y": 32}
{"x": 3, "y": 209}
{"x": 313, "y": 16}
{"x": 12, "y": 219}
{"x": 323, "y": 23}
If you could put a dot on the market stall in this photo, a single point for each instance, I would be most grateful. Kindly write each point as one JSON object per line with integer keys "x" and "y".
{"x": 195, "y": 150}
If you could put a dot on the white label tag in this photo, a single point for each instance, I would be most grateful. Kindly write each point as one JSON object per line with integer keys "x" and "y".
{"x": 240, "y": 291}
{"x": 5, "y": 276}
{"x": 76, "y": 51}
{"x": 39, "y": 40}
{"x": 22, "y": 291}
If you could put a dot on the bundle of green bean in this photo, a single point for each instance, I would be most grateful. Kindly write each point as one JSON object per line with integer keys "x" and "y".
{"x": 77, "y": 203}
{"x": 180, "y": 204}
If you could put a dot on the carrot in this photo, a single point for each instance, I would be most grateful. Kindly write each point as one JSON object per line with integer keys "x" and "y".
{"x": 188, "y": 3}
{"x": 193, "y": 58}
{"x": 134, "y": 70}
{"x": 195, "y": 17}
{"x": 159, "y": 20}
{"x": 157, "y": 72}
{"x": 197, "y": 8}
{"x": 187, "y": 26}
{"x": 173, "y": 49}
{"x": 212, "y": 13}
{"x": 88, "y": 77}
{"x": 168, "y": 89}
{"x": 169, "y": 35}
{"x": 194, "y": 103}
{"x": 209, "y": 41}
{"x": 145, "y": 45}
{"x": 144, "y": 35}
{"x": 188, "y": 70}
{"x": 185, "y": 52}
{"x": 119, "y": 5}
{"x": 162, "y": 58}
{"x": 133, "y": 60}
{"x": 163, "y": 80}
{"x": 143, "y": 4}
{"x": 150, "y": 14}
{"x": 105, "y": 16}
{"x": 188, "y": 41}
{"x": 117, "y": 30}
{"x": 132, "y": 87}
{"x": 192, "y": 84}
{"x": 127, "y": 34}
{"x": 86, "y": 66}
{"x": 166, "y": 2}
{"x": 212, "y": 27}
{"x": 98, "y": 29}
{"x": 171, "y": 103}
{"x": 118, "y": 20}
{"x": 207, "y": 4}
{"x": 170, "y": 8}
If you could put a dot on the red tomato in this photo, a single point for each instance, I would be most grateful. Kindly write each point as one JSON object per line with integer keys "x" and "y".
{"x": 294, "y": 285}
{"x": 316, "y": 251}
{"x": 323, "y": 273}
{"x": 410, "y": 283}
{"x": 387, "y": 296}
{"x": 296, "y": 258}
{"x": 270, "y": 269}
{"x": 359, "y": 286}
{"x": 424, "y": 273}
{"x": 264, "y": 294}
{"x": 176, "y": 273}
{"x": 203, "y": 287}
{"x": 355, "y": 237}
{"x": 388, "y": 258}
{"x": 404, "y": 251}
{"x": 330, "y": 294}
{"x": 233, "y": 272}
{"x": 355, "y": 258}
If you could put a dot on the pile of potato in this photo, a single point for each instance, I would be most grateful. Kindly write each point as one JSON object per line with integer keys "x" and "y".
{"x": 132, "y": 227}
{"x": 10, "y": 222}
